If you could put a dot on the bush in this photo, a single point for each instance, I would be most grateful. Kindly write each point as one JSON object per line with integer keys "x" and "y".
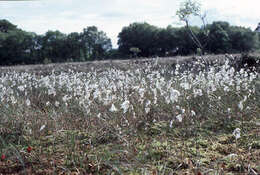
{"x": 248, "y": 61}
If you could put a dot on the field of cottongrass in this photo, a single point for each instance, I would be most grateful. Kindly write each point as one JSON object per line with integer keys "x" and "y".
{"x": 149, "y": 119}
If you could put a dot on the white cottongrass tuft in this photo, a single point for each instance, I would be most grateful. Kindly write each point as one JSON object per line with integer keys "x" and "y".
{"x": 179, "y": 118}
{"x": 147, "y": 108}
{"x": 48, "y": 103}
{"x": 125, "y": 106}
{"x": 240, "y": 105}
{"x": 237, "y": 133}
{"x": 113, "y": 108}
{"x": 57, "y": 103}
{"x": 65, "y": 98}
{"x": 185, "y": 85}
{"x": 28, "y": 102}
{"x": 42, "y": 127}
{"x": 13, "y": 100}
{"x": 171, "y": 122}
{"x": 193, "y": 113}
{"x": 174, "y": 94}
{"x": 229, "y": 110}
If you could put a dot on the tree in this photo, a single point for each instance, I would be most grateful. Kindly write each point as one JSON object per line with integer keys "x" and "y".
{"x": 15, "y": 48}
{"x": 139, "y": 35}
{"x": 31, "y": 48}
{"x": 243, "y": 39}
{"x": 53, "y": 46}
{"x": 73, "y": 47}
{"x": 167, "y": 43}
{"x": 219, "y": 40}
{"x": 185, "y": 42}
{"x": 190, "y": 8}
{"x": 6, "y": 26}
{"x": 102, "y": 44}
{"x": 21, "y": 47}
{"x": 95, "y": 43}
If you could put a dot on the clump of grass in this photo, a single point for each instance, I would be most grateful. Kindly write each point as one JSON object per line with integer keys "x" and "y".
{"x": 146, "y": 120}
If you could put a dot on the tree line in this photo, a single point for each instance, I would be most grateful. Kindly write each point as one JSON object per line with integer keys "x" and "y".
{"x": 21, "y": 47}
{"x": 218, "y": 37}
{"x": 136, "y": 40}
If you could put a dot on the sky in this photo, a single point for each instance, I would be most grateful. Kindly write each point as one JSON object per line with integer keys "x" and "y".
{"x": 111, "y": 16}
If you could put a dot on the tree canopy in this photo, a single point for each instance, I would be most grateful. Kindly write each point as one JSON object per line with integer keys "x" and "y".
{"x": 136, "y": 40}
{"x": 21, "y": 47}
{"x": 153, "y": 41}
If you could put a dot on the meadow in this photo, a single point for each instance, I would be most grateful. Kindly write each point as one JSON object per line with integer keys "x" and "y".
{"x": 130, "y": 117}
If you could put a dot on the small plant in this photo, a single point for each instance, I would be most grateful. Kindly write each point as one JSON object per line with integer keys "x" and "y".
{"x": 249, "y": 61}
{"x": 135, "y": 51}
{"x": 46, "y": 61}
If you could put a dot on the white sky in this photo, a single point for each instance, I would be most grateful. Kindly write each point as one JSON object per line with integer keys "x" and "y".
{"x": 111, "y": 15}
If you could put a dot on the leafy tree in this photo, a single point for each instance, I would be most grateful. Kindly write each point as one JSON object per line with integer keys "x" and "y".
{"x": 102, "y": 44}
{"x": 114, "y": 54}
{"x": 219, "y": 40}
{"x": 6, "y": 26}
{"x": 167, "y": 43}
{"x": 18, "y": 47}
{"x": 243, "y": 39}
{"x": 142, "y": 39}
{"x": 138, "y": 35}
{"x": 73, "y": 47}
{"x": 184, "y": 41}
{"x": 31, "y": 48}
{"x": 95, "y": 43}
{"x": 14, "y": 48}
{"x": 53, "y": 46}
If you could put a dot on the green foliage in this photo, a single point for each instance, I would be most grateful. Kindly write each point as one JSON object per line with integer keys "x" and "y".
{"x": 167, "y": 41}
{"x": 53, "y": 45}
{"x": 248, "y": 61}
{"x": 6, "y": 26}
{"x": 95, "y": 43}
{"x": 115, "y": 54}
{"x": 21, "y": 47}
{"x": 140, "y": 35}
{"x": 15, "y": 47}
{"x": 135, "y": 51}
{"x": 185, "y": 43}
{"x": 219, "y": 40}
{"x": 224, "y": 38}
{"x": 218, "y": 37}
{"x": 243, "y": 39}
{"x": 187, "y": 9}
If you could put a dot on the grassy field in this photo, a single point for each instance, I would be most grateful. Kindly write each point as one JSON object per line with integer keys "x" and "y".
{"x": 130, "y": 117}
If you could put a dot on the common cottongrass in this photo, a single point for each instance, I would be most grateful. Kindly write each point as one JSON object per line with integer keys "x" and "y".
{"x": 124, "y": 108}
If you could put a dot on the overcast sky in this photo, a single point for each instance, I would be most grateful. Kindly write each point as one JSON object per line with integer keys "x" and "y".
{"x": 111, "y": 15}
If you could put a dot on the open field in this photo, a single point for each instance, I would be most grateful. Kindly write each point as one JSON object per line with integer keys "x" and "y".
{"x": 120, "y": 64}
{"x": 130, "y": 117}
